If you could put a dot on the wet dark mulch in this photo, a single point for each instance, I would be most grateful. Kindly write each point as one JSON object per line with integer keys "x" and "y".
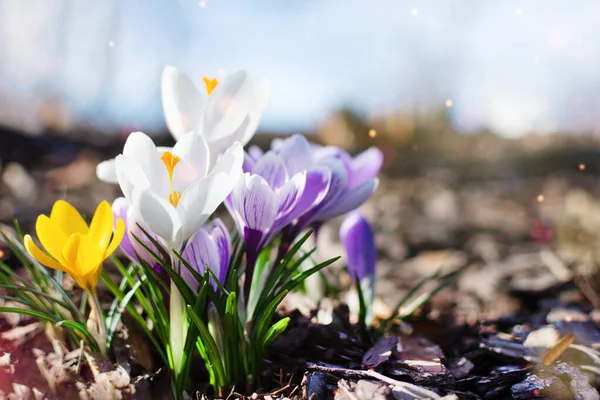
{"x": 493, "y": 360}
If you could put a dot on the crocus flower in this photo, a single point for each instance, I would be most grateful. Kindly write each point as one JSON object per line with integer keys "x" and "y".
{"x": 269, "y": 197}
{"x": 78, "y": 249}
{"x": 229, "y": 112}
{"x": 209, "y": 247}
{"x": 173, "y": 194}
{"x": 352, "y": 182}
{"x": 358, "y": 240}
{"x": 74, "y": 247}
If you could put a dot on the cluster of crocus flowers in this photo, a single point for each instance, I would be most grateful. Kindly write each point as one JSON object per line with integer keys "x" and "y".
{"x": 78, "y": 249}
{"x": 171, "y": 195}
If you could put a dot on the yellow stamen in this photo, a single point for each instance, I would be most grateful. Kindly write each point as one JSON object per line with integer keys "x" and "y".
{"x": 174, "y": 197}
{"x": 211, "y": 84}
{"x": 170, "y": 162}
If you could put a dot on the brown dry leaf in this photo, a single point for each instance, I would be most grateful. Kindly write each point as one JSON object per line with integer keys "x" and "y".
{"x": 553, "y": 353}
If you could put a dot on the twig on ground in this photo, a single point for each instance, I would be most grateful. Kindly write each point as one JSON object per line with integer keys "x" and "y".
{"x": 332, "y": 369}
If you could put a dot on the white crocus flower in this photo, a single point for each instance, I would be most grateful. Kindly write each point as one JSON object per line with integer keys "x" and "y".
{"x": 173, "y": 193}
{"x": 229, "y": 111}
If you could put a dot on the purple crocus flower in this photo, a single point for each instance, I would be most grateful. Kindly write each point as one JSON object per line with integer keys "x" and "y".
{"x": 353, "y": 179}
{"x": 209, "y": 246}
{"x": 272, "y": 194}
{"x": 358, "y": 240}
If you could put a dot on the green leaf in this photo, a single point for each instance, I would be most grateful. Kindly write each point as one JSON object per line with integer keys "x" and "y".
{"x": 112, "y": 321}
{"x": 274, "y": 331}
{"x": 82, "y": 330}
{"x": 132, "y": 311}
{"x": 209, "y": 350}
{"x": 420, "y": 300}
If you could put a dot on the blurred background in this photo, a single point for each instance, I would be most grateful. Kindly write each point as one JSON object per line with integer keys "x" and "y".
{"x": 487, "y": 112}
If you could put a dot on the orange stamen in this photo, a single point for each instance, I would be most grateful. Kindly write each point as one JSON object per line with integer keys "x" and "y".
{"x": 174, "y": 197}
{"x": 170, "y": 162}
{"x": 210, "y": 84}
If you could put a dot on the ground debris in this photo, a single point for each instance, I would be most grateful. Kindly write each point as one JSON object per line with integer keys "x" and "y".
{"x": 417, "y": 360}
{"x": 363, "y": 390}
{"x": 381, "y": 352}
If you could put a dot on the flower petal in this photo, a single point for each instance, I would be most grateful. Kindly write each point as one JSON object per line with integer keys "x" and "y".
{"x": 220, "y": 235}
{"x": 365, "y": 166}
{"x": 159, "y": 216}
{"x": 194, "y": 163}
{"x": 121, "y": 209}
{"x": 183, "y": 105}
{"x": 315, "y": 189}
{"x": 255, "y": 152}
{"x": 116, "y": 239}
{"x": 272, "y": 168}
{"x": 141, "y": 149}
{"x": 51, "y": 237}
{"x": 260, "y": 98}
{"x": 228, "y": 107}
{"x": 131, "y": 176}
{"x": 106, "y": 171}
{"x": 218, "y": 145}
{"x": 337, "y": 183}
{"x": 203, "y": 197}
{"x": 39, "y": 255}
{"x": 295, "y": 151}
{"x": 101, "y": 227}
{"x": 350, "y": 201}
{"x": 256, "y": 203}
{"x": 248, "y": 164}
{"x": 200, "y": 251}
{"x": 85, "y": 258}
{"x": 66, "y": 218}
{"x": 357, "y": 237}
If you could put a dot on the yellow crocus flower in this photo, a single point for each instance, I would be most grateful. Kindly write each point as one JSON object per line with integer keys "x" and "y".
{"x": 73, "y": 246}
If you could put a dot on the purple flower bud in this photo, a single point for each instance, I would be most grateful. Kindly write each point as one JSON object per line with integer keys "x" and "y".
{"x": 209, "y": 246}
{"x": 358, "y": 240}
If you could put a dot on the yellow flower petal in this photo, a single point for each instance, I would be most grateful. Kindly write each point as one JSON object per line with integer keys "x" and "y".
{"x": 39, "y": 255}
{"x": 52, "y": 238}
{"x": 67, "y": 218}
{"x": 69, "y": 253}
{"x": 117, "y": 237}
{"x": 102, "y": 224}
{"x": 82, "y": 255}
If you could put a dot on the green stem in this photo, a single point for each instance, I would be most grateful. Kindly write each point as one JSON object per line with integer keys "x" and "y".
{"x": 101, "y": 337}
{"x": 177, "y": 327}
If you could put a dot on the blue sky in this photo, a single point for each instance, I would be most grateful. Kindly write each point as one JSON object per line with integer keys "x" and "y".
{"x": 515, "y": 66}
